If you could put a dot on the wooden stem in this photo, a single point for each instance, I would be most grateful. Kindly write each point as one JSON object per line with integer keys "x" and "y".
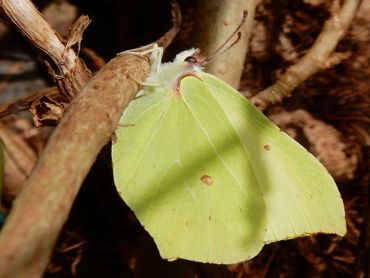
{"x": 43, "y": 205}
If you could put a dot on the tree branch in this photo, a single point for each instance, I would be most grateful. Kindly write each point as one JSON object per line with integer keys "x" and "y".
{"x": 317, "y": 58}
{"x": 68, "y": 71}
{"x": 43, "y": 205}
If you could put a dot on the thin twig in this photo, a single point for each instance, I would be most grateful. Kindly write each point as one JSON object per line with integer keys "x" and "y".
{"x": 43, "y": 205}
{"x": 319, "y": 56}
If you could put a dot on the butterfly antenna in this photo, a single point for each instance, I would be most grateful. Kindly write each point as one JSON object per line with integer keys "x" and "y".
{"x": 222, "y": 49}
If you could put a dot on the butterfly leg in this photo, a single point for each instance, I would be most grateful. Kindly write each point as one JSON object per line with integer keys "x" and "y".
{"x": 155, "y": 51}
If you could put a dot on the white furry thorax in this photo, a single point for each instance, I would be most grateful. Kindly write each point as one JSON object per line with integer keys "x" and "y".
{"x": 168, "y": 75}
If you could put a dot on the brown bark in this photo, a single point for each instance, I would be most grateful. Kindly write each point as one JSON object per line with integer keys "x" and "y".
{"x": 43, "y": 205}
{"x": 68, "y": 71}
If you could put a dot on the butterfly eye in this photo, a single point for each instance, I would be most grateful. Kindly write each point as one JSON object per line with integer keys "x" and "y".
{"x": 191, "y": 60}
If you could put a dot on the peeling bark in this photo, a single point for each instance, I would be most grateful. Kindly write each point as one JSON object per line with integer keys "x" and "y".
{"x": 69, "y": 72}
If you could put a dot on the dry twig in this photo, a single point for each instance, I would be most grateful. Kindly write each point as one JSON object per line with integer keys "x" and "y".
{"x": 42, "y": 207}
{"x": 68, "y": 71}
{"x": 319, "y": 56}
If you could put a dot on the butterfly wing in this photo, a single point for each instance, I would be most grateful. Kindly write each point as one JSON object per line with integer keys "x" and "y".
{"x": 300, "y": 195}
{"x": 181, "y": 167}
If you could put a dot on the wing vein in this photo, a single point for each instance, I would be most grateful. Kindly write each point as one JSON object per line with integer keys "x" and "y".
{"x": 214, "y": 147}
{"x": 152, "y": 136}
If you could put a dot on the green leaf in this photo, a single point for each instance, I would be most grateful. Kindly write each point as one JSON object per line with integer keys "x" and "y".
{"x": 210, "y": 177}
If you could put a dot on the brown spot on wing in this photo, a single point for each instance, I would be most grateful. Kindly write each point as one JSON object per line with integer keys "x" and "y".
{"x": 207, "y": 180}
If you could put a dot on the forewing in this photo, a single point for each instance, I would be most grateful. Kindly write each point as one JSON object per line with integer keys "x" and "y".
{"x": 300, "y": 195}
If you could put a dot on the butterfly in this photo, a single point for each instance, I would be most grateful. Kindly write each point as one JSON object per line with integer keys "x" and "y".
{"x": 208, "y": 175}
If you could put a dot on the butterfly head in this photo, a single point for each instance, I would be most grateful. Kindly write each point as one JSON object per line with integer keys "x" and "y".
{"x": 169, "y": 74}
